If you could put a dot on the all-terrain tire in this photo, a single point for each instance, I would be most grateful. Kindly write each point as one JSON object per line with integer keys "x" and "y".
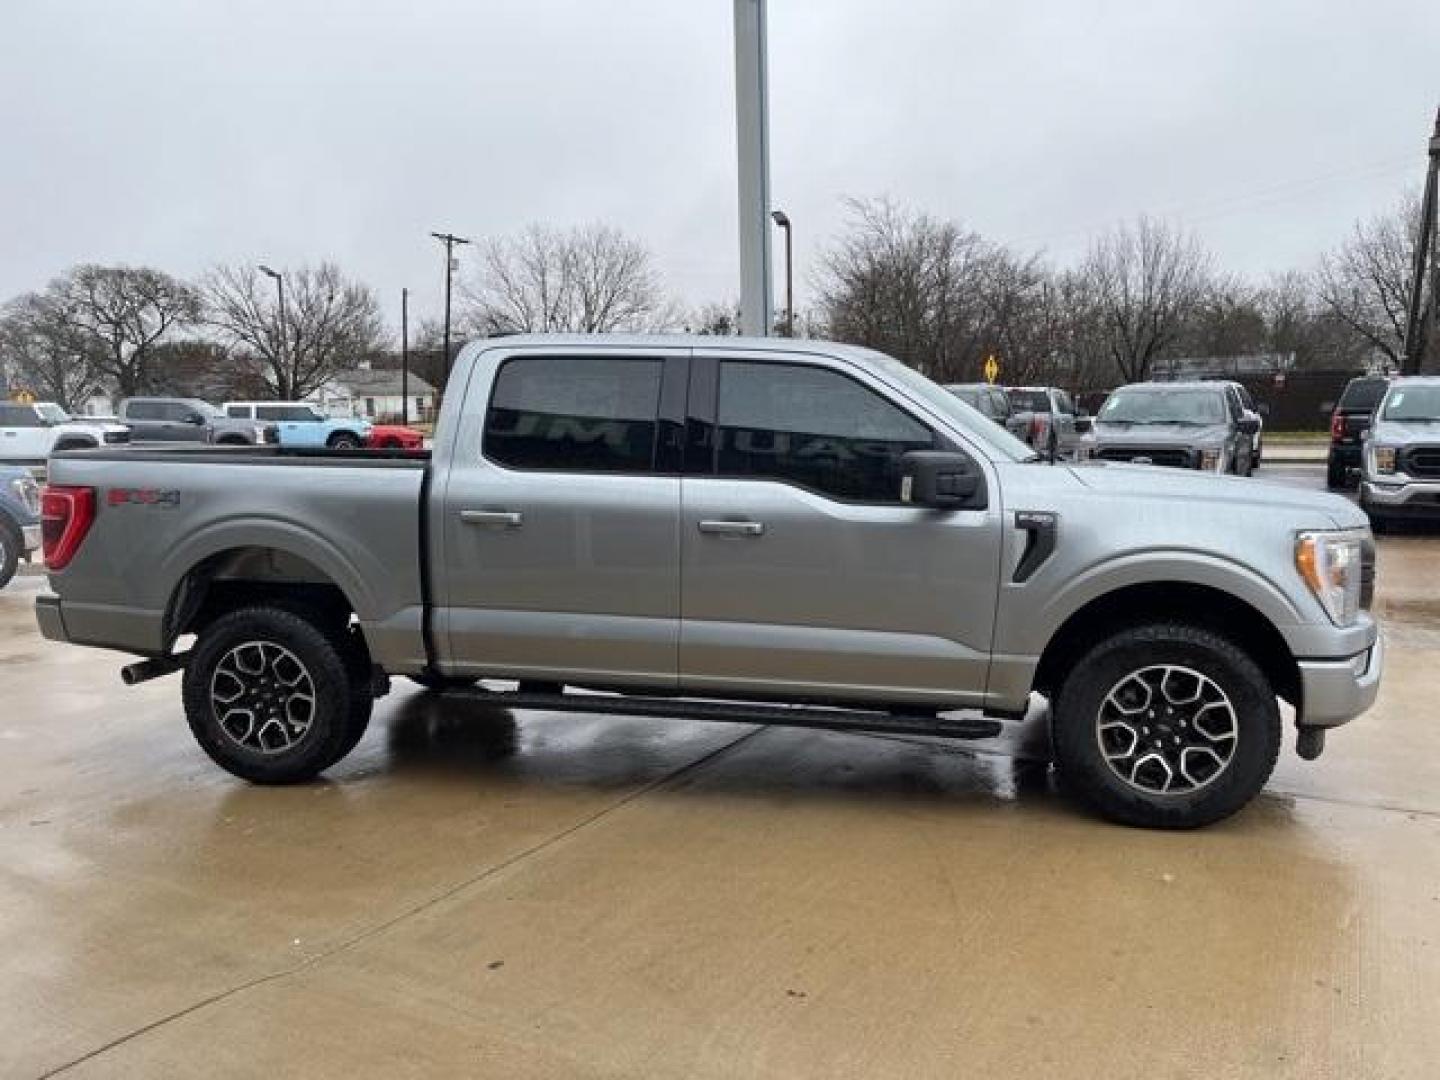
{"x": 1077, "y": 717}
{"x": 344, "y": 440}
{"x": 270, "y": 646}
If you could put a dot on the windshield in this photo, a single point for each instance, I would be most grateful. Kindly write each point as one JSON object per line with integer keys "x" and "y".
{"x": 1163, "y": 407}
{"x": 1413, "y": 403}
{"x": 966, "y": 394}
{"x": 205, "y": 409}
{"x": 946, "y": 404}
{"x": 52, "y": 413}
{"x": 1030, "y": 400}
{"x": 1362, "y": 395}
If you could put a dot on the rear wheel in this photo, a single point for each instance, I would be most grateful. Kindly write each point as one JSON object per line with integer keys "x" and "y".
{"x": 1166, "y": 726}
{"x": 10, "y": 545}
{"x": 344, "y": 440}
{"x": 273, "y": 696}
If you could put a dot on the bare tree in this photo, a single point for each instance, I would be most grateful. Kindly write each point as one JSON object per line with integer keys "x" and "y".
{"x": 43, "y": 351}
{"x": 1146, "y": 282}
{"x": 908, "y": 284}
{"x": 1366, "y": 282}
{"x": 329, "y": 321}
{"x": 592, "y": 279}
{"x": 127, "y": 310}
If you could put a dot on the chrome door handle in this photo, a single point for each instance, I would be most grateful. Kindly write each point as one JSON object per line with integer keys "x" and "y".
{"x": 732, "y": 528}
{"x": 510, "y": 519}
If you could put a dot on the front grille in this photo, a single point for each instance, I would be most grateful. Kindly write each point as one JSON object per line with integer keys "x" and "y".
{"x": 1175, "y": 457}
{"x": 114, "y": 437}
{"x": 1423, "y": 461}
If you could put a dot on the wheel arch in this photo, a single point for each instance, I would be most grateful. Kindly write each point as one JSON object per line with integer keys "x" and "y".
{"x": 1187, "y": 602}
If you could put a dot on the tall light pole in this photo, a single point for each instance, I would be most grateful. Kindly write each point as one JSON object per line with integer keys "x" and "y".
{"x": 404, "y": 356}
{"x": 752, "y": 131}
{"x": 783, "y": 220}
{"x": 1416, "y": 331}
{"x": 449, "y": 240}
{"x": 280, "y": 290}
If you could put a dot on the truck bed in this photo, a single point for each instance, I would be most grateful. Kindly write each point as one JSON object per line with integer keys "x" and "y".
{"x": 257, "y": 514}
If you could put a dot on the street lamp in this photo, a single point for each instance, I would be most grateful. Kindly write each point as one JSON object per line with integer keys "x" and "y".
{"x": 449, "y": 240}
{"x": 280, "y": 290}
{"x": 783, "y": 220}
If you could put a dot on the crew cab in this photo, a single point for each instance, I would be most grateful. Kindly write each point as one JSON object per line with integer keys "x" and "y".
{"x": 1400, "y": 476}
{"x": 771, "y": 531}
{"x": 160, "y": 419}
{"x": 1183, "y": 425}
{"x": 29, "y": 434}
{"x": 19, "y": 519}
{"x": 302, "y": 425}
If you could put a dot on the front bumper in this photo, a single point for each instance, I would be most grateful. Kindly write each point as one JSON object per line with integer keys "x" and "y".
{"x": 30, "y": 535}
{"x": 1404, "y": 496}
{"x": 1334, "y": 692}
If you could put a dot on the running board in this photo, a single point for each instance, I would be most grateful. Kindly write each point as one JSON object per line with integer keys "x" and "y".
{"x": 945, "y": 725}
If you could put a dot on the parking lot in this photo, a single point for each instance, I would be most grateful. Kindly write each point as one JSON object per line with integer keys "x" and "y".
{"x": 529, "y": 894}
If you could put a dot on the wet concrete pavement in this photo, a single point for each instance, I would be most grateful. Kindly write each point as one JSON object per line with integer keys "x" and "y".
{"x": 532, "y": 895}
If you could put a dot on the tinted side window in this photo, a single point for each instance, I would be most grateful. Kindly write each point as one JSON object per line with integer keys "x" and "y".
{"x": 575, "y": 414}
{"x": 1363, "y": 395}
{"x": 999, "y": 404}
{"x": 143, "y": 410}
{"x": 1063, "y": 402}
{"x": 814, "y": 428}
{"x": 16, "y": 416}
{"x": 177, "y": 413}
{"x": 238, "y": 412}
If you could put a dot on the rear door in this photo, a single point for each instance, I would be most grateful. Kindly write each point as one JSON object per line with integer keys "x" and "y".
{"x": 146, "y": 421}
{"x": 802, "y": 571}
{"x": 560, "y": 554}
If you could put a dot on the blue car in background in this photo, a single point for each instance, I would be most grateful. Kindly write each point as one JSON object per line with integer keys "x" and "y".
{"x": 303, "y": 425}
{"x": 19, "y": 519}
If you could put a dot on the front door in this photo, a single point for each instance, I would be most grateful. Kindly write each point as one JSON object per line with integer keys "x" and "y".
{"x": 561, "y": 551}
{"x": 23, "y": 437}
{"x": 802, "y": 571}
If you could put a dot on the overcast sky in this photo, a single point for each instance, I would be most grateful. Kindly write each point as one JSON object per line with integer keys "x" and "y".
{"x": 179, "y": 134}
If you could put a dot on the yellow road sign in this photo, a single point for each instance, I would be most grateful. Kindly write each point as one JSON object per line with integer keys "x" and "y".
{"x": 992, "y": 368}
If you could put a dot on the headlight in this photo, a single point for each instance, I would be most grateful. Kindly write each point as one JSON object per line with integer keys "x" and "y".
{"x": 1330, "y": 563}
{"x": 1212, "y": 458}
{"x": 1384, "y": 458}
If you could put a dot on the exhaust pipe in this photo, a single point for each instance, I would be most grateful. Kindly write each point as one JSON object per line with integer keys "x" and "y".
{"x": 145, "y": 670}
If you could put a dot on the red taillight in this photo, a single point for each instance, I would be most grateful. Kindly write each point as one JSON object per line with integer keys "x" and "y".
{"x": 1337, "y": 425}
{"x": 66, "y": 514}
{"x": 1037, "y": 426}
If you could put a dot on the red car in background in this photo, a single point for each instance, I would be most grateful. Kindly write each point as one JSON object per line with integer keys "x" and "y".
{"x": 394, "y": 437}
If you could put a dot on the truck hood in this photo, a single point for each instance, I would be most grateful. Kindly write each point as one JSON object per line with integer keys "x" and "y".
{"x": 1311, "y": 509}
{"x": 1404, "y": 433}
{"x": 1160, "y": 434}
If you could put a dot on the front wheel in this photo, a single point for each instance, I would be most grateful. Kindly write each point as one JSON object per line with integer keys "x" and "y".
{"x": 1166, "y": 726}
{"x": 272, "y": 697}
{"x": 344, "y": 441}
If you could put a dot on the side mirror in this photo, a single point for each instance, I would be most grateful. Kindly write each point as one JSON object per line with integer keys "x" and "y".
{"x": 941, "y": 480}
{"x": 1084, "y": 424}
{"x": 1250, "y": 425}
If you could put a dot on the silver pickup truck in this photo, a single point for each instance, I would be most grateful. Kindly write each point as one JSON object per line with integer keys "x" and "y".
{"x": 785, "y": 532}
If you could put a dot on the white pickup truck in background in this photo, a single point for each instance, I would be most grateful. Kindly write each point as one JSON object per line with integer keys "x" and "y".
{"x": 29, "y": 434}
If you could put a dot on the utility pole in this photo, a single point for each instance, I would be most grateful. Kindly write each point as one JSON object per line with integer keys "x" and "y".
{"x": 752, "y": 131}
{"x": 1420, "y": 325}
{"x": 449, "y": 240}
{"x": 404, "y": 356}
{"x": 783, "y": 220}
{"x": 280, "y": 289}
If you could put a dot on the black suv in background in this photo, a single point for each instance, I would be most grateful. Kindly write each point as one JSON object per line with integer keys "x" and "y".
{"x": 1348, "y": 424}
